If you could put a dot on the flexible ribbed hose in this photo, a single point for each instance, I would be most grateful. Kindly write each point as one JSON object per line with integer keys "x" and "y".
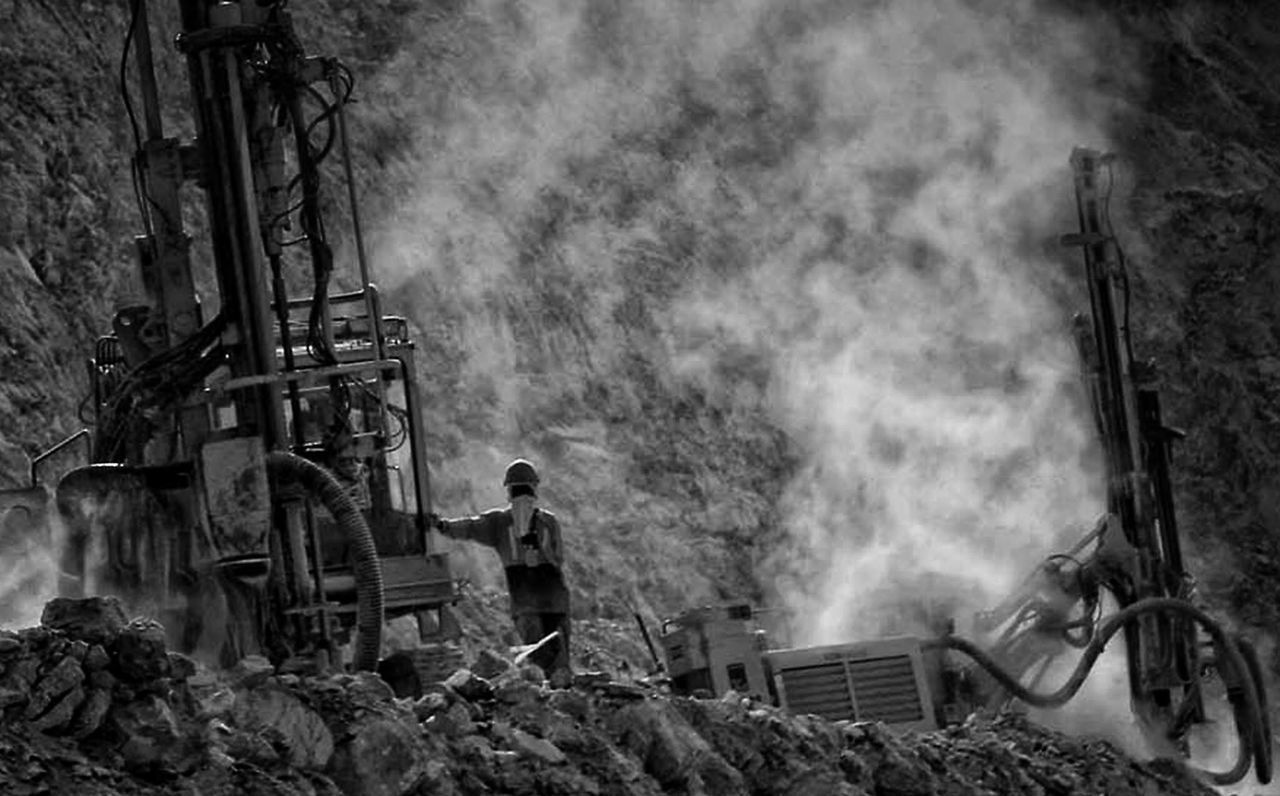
{"x": 366, "y": 566}
{"x": 1249, "y": 726}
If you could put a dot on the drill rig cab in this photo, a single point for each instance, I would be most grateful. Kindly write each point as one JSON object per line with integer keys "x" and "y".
{"x": 259, "y": 478}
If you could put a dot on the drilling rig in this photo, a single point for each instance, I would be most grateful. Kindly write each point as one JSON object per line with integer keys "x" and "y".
{"x": 257, "y": 474}
{"x": 1132, "y": 557}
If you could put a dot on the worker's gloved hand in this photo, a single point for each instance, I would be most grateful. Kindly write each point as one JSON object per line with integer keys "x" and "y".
{"x": 434, "y": 521}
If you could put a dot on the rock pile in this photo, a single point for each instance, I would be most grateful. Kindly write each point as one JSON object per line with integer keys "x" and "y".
{"x": 64, "y": 676}
{"x": 513, "y": 735}
{"x": 94, "y": 704}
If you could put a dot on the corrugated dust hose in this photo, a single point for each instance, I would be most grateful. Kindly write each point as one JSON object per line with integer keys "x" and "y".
{"x": 324, "y": 487}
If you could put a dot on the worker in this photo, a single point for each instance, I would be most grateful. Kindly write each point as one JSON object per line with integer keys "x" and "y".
{"x": 527, "y": 539}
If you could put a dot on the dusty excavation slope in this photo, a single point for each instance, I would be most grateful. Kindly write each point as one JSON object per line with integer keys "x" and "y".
{"x": 93, "y": 704}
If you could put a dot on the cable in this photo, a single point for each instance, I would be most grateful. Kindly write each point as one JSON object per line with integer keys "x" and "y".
{"x": 136, "y": 175}
{"x": 154, "y": 385}
{"x": 82, "y": 406}
{"x": 135, "y": 14}
{"x": 396, "y": 439}
{"x": 327, "y": 113}
{"x": 1121, "y": 261}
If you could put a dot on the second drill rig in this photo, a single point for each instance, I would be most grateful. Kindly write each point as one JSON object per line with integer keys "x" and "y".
{"x": 258, "y": 476}
{"x": 1133, "y": 556}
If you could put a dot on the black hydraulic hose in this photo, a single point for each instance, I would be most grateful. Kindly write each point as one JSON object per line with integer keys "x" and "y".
{"x": 1248, "y": 732}
{"x": 1262, "y": 751}
{"x": 366, "y": 565}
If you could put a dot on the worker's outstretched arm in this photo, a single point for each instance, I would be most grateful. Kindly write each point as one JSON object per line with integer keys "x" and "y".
{"x": 483, "y": 528}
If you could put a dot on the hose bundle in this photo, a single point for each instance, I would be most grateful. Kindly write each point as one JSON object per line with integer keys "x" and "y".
{"x": 322, "y": 485}
{"x": 1252, "y": 722}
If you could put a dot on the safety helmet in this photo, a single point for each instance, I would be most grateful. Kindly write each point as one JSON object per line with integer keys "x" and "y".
{"x": 520, "y": 471}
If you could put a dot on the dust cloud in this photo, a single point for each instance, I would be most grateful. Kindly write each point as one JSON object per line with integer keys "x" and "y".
{"x": 920, "y": 360}
{"x": 837, "y": 214}
{"x": 28, "y": 565}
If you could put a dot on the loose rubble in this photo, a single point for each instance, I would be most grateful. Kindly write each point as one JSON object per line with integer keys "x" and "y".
{"x": 94, "y": 704}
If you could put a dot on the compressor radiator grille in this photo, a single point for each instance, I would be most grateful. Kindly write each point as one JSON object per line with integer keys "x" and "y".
{"x": 820, "y": 690}
{"x": 885, "y": 690}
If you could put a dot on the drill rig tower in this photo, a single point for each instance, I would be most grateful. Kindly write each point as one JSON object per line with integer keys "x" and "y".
{"x": 258, "y": 475}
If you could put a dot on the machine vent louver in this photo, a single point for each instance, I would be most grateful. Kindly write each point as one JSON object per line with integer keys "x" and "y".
{"x": 821, "y": 690}
{"x": 886, "y": 689}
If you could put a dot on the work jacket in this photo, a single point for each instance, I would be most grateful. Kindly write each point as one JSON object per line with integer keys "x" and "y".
{"x": 535, "y": 582}
{"x": 496, "y": 529}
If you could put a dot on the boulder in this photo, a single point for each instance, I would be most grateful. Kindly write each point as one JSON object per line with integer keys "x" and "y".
{"x": 672, "y": 752}
{"x": 252, "y": 671}
{"x": 254, "y": 747}
{"x": 215, "y": 703}
{"x": 514, "y": 690}
{"x": 489, "y": 664}
{"x": 139, "y": 654}
{"x": 181, "y": 667}
{"x": 475, "y": 747}
{"x": 95, "y": 658}
{"x": 429, "y": 705}
{"x": 101, "y": 678}
{"x": 571, "y": 703}
{"x": 535, "y": 747}
{"x": 62, "y": 678}
{"x": 92, "y": 713}
{"x": 370, "y": 687}
{"x": 382, "y": 756}
{"x": 149, "y": 730}
{"x": 96, "y": 620}
{"x": 460, "y": 716}
{"x": 21, "y": 675}
{"x": 452, "y": 723}
{"x": 62, "y": 711}
{"x": 470, "y": 687}
{"x": 36, "y": 639}
{"x": 296, "y": 728}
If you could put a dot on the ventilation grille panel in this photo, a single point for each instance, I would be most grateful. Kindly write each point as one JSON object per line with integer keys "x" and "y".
{"x": 885, "y": 689}
{"x": 821, "y": 690}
